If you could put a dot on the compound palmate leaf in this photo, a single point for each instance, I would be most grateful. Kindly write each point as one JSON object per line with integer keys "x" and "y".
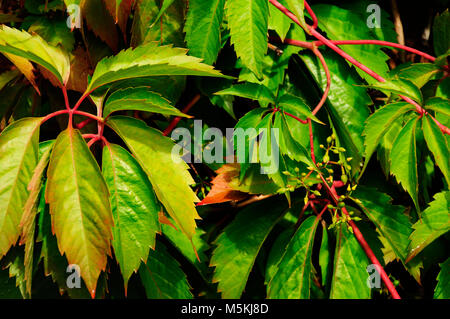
{"x": 134, "y": 207}
{"x": 248, "y": 23}
{"x": 81, "y": 211}
{"x": 350, "y": 263}
{"x": 239, "y": 244}
{"x": 167, "y": 172}
{"x": 148, "y": 60}
{"x": 203, "y": 28}
{"x": 434, "y": 222}
{"x": 34, "y": 48}
{"x": 293, "y": 277}
{"x": 139, "y": 98}
{"x": 19, "y": 144}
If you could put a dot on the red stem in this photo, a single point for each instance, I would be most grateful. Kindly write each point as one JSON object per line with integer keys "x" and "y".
{"x": 327, "y": 73}
{"x": 177, "y": 119}
{"x": 84, "y": 96}
{"x": 308, "y": 45}
{"x": 49, "y": 116}
{"x": 331, "y": 191}
{"x": 66, "y": 98}
{"x": 294, "y": 117}
{"x": 84, "y": 123}
{"x": 365, "y": 246}
{"x": 311, "y": 141}
{"x": 443, "y": 128}
{"x": 313, "y": 16}
{"x": 92, "y": 116}
{"x": 349, "y": 58}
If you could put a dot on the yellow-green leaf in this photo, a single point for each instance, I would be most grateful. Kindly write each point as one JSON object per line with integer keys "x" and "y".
{"x": 79, "y": 205}
{"x": 18, "y": 158}
{"x": 168, "y": 173}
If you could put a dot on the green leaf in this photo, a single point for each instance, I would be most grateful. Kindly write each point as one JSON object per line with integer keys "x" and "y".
{"x": 390, "y": 220}
{"x": 295, "y": 105}
{"x": 30, "y": 210}
{"x": 164, "y": 6}
{"x": 239, "y": 244}
{"x": 162, "y": 276}
{"x": 438, "y": 145}
{"x": 385, "y": 145}
{"x": 404, "y": 160}
{"x": 81, "y": 211}
{"x": 18, "y": 158}
{"x": 276, "y": 253}
{"x": 278, "y": 21}
{"x": 349, "y": 272}
{"x": 441, "y": 33}
{"x": 439, "y": 105}
{"x": 167, "y": 172}
{"x": 399, "y": 86}
{"x": 55, "y": 264}
{"x": 55, "y": 32}
{"x": 8, "y": 289}
{"x": 379, "y": 123}
{"x": 186, "y": 247}
{"x": 418, "y": 73}
{"x": 251, "y": 91}
{"x": 203, "y": 29}
{"x": 14, "y": 261}
{"x": 288, "y": 145}
{"x": 248, "y": 23}
{"x": 141, "y": 99}
{"x": 442, "y": 290}
{"x": 169, "y": 30}
{"x": 293, "y": 278}
{"x": 434, "y": 222}
{"x": 134, "y": 208}
{"x": 34, "y": 48}
{"x": 148, "y": 60}
{"x": 297, "y": 7}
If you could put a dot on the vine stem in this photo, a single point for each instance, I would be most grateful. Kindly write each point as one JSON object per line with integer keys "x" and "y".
{"x": 177, "y": 119}
{"x": 332, "y": 191}
{"x": 349, "y": 58}
{"x": 51, "y": 115}
{"x": 71, "y": 112}
{"x": 84, "y": 123}
{"x": 92, "y": 116}
{"x": 66, "y": 98}
{"x": 308, "y": 45}
{"x": 328, "y": 76}
{"x": 313, "y": 16}
{"x": 363, "y": 243}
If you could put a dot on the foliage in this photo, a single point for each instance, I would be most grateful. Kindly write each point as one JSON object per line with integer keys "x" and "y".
{"x": 358, "y": 132}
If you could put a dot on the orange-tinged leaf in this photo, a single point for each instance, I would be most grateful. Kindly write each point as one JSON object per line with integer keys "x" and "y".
{"x": 25, "y": 67}
{"x": 79, "y": 205}
{"x": 18, "y": 158}
{"x": 221, "y": 190}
